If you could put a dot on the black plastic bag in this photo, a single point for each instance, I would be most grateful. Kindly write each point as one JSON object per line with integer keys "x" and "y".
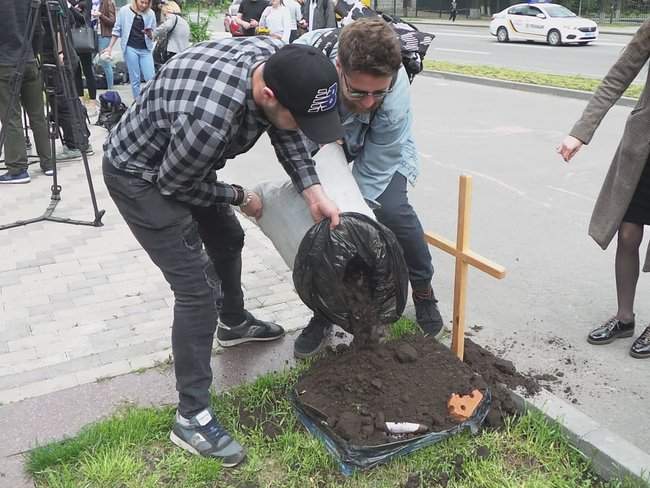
{"x": 355, "y": 275}
{"x": 351, "y": 458}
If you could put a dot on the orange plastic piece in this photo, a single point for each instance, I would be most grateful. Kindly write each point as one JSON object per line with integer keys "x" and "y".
{"x": 462, "y": 407}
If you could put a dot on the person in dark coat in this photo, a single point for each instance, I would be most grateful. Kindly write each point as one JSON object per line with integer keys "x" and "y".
{"x": 623, "y": 205}
{"x": 319, "y": 14}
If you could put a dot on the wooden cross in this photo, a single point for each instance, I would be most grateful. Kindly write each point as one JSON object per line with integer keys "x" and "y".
{"x": 464, "y": 258}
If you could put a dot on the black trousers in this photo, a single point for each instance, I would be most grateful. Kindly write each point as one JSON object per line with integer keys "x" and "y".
{"x": 86, "y": 65}
{"x": 198, "y": 250}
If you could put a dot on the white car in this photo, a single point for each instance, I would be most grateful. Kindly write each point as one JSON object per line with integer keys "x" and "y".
{"x": 544, "y": 22}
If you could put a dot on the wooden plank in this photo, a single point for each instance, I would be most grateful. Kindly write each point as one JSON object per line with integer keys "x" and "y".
{"x": 485, "y": 265}
{"x": 441, "y": 243}
{"x": 470, "y": 257}
{"x": 460, "y": 279}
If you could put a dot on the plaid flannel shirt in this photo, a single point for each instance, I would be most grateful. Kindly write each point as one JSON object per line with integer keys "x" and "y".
{"x": 197, "y": 113}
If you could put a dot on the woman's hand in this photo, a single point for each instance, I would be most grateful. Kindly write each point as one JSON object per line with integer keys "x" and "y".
{"x": 569, "y": 147}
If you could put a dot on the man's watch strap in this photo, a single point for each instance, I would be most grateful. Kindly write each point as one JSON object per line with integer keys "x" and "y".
{"x": 243, "y": 196}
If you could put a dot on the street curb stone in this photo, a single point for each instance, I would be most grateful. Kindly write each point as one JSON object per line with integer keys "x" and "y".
{"x": 611, "y": 455}
{"x": 528, "y": 87}
{"x": 486, "y": 24}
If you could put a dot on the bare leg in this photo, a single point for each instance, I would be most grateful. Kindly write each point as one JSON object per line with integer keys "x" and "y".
{"x": 627, "y": 268}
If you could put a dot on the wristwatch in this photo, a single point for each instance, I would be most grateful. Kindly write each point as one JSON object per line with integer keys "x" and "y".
{"x": 244, "y": 196}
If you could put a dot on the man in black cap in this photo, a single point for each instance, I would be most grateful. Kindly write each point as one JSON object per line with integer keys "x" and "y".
{"x": 207, "y": 105}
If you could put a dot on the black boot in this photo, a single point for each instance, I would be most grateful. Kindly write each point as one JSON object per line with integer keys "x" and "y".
{"x": 426, "y": 311}
{"x": 610, "y": 331}
{"x": 641, "y": 346}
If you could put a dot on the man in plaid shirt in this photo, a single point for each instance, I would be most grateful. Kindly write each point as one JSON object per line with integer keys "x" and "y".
{"x": 207, "y": 105}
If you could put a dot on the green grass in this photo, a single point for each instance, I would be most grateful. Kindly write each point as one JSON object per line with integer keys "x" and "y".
{"x": 131, "y": 450}
{"x": 561, "y": 81}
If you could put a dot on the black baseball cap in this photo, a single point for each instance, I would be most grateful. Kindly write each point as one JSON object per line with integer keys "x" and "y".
{"x": 306, "y": 83}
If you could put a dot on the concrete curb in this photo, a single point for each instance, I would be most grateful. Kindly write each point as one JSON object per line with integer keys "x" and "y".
{"x": 426, "y": 21}
{"x": 611, "y": 455}
{"x": 528, "y": 87}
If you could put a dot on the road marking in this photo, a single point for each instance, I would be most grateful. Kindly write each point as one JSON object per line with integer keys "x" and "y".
{"x": 616, "y": 44}
{"x": 460, "y": 51}
{"x": 442, "y": 34}
{"x": 572, "y": 193}
{"x": 524, "y": 44}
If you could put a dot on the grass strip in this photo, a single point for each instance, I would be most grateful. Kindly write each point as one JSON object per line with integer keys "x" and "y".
{"x": 131, "y": 450}
{"x": 573, "y": 82}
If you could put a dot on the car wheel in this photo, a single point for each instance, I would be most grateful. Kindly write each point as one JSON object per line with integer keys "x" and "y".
{"x": 502, "y": 34}
{"x": 554, "y": 38}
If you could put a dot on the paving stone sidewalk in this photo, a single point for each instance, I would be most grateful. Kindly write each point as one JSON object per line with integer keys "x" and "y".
{"x": 81, "y": 303}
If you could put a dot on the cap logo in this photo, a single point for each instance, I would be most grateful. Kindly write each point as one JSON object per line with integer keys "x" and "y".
{"x": 324, "y": 100}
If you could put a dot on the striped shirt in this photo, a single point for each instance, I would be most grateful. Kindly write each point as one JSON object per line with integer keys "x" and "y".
{"x": 197, "y": 113}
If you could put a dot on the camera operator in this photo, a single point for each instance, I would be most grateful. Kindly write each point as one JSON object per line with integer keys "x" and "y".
{"x": 13, "y": 27}
{"x": 69, "y": 151}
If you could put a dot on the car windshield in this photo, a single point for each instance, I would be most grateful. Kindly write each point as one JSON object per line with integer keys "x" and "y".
{"x": 558, "y": 11}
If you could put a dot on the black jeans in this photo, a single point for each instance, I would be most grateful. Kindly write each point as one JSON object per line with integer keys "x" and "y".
{"x": 86, "y": 64}
{"x": 174, "y": 235}
{"x": 398, "y": 215}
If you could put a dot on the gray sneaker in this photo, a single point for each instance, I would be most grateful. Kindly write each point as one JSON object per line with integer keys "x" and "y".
{"x": 68, "y": 154}
{"x": 204, "y": 436}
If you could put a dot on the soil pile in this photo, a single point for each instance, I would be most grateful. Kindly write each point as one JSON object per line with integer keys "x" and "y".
{"x": 409, "y": 380}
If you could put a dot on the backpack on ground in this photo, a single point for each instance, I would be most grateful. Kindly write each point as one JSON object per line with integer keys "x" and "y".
{"x": 111, "y": 109}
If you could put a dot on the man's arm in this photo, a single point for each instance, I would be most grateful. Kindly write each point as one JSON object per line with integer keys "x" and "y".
{"x": 291, "y": 150}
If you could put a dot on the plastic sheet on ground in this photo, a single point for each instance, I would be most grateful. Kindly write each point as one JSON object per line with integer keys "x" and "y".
{"x": 351, "y": 457}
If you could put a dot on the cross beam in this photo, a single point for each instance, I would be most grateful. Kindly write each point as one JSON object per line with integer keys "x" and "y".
{"x": 464, "y": 258}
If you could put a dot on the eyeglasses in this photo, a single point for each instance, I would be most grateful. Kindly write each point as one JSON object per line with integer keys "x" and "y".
{"x": 358, "y": 94}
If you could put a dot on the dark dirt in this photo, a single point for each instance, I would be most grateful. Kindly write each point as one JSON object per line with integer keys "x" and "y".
{"x": 417, "y": 480}
{"x": 410, "y": 380}
{"x": 251, "y": 418}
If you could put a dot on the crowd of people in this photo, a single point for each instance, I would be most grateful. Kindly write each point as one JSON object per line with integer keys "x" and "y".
{"x": 212, "y": 101}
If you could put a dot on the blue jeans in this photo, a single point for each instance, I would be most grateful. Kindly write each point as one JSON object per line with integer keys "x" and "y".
{"x": 103, "y": 42}
{"x": 139, "y": 62}
{"x": 398, "y": 215}
{"x": 198, "y": 250}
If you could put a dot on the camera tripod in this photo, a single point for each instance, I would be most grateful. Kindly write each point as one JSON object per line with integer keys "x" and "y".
{"x": 58, "y": 83}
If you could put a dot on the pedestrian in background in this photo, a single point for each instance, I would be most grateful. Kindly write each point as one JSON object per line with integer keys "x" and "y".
{"x": 175, "y": 28}
{"x": 82, "y": 14}
{"x": 623, "y": 205}
{"x": 453, "y": 10}
{"x": 295, "y": 16}
{"x": 134, "y": 28}
{"x": 276, "y": 18}
{"x": 103, "y": 15}
{"x": 250, "y": 12}
{"x": 319, "y": 14}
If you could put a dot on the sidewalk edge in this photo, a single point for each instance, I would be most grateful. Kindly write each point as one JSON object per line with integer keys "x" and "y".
{"x": 611, "y": 455}
{"x": 425, "y": 21}
{"x": 528, "y": 87}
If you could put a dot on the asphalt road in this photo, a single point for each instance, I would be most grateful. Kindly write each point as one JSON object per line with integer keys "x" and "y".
{"x": 475, "y": 45}
{"x": 530, "y": 214}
